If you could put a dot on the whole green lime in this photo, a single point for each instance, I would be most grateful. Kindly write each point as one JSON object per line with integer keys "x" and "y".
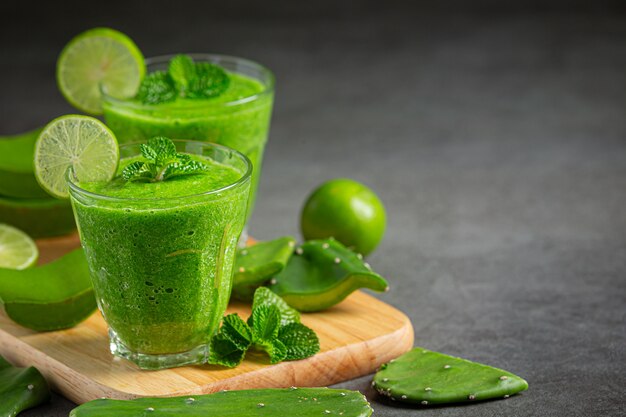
{"x": 346, "y": 210}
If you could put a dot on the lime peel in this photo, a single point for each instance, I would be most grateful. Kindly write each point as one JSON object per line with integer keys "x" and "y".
{"x": 95, "y": 60}
{"x": 17, "y": 249}
{"x": 79, "y": 142}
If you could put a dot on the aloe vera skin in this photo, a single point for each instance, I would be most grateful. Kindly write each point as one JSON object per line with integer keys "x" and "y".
{"x": 16, "y": 166}
{"x": 323, "y": 273}
{"x": 54, "y": 296}
{"x": 257, "y": 264}
{"x": 292, "y": 402}
{"x": 20, "y": 389}
{"x": 40, "y": 217}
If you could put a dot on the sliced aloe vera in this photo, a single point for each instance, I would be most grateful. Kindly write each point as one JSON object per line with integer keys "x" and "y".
{"x": 321, "y": 274}
{"x": 16, "y": 166}
{"x": 54, "y": 296}
{"x": 258, "y": 263}
{"x": 40, "y": 217}
{"x": 20, "y": 389}
{"x": 293, "y": 402}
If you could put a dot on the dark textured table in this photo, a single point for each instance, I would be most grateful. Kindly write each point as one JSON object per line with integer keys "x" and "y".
{"x": 497, "y": 141}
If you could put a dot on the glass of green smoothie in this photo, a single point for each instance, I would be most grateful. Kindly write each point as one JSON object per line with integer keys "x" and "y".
{"x": 161, "y": 252}
{"x": 238, "y": 117}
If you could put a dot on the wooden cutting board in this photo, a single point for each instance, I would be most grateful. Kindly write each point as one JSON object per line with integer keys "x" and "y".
{"x": 356, "y": 336}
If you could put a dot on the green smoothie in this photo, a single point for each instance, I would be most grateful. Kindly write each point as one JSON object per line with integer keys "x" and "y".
{"x": 161, "y": 253}
{"x": 239, "y": 117}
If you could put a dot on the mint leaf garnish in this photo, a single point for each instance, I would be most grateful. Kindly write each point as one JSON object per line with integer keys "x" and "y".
{"x": 210, "y": 81}
{"x": 148, "y": 152}
{"x": 183, "y": 78}
{"x": 163, "y": 149}
{"x": 300, "y": 341}
{"x": 224, "y": 352}
{"x": 265, "y": 296}
{"x": 265, "y": 322}
{"x": 237, "y": 331}
{"x": 264, "y": 331}
{"x": 176, "y": 169}
{"x": 275, "y": 349}
{"x": 182, "y": 70}
{"x": 162, "y": 162}
{"x": 156, "y": 88}
{"x": 138, "y": 171}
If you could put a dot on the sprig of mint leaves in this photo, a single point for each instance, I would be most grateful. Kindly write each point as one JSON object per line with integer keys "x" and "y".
{"x": 273, "y": 327}
{"x": 162, "y": 162}
{"x": 183, "y": 78}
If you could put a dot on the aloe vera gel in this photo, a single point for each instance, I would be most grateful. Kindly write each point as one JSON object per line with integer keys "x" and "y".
{"x": 160, "y": 240}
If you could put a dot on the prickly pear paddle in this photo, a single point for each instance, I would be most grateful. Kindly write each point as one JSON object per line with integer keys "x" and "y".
{"x": 425, "y": 377}
{"x": 292, "y": 402}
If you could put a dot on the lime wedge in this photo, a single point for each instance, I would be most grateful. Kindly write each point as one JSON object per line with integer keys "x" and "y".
{"x": 81, "y": 142}
{"x": 98, "y": 59}
{"x": 17, "y": 249}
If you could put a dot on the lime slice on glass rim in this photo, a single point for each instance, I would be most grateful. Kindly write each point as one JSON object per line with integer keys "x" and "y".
{"x": 17, "y": 249}
{"x": 100, "y": 58}
{"x": 79, "y": 142}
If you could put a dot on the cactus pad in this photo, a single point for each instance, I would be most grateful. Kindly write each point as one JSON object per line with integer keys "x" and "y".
{"x": 321, "y": 274}
{"x": 425, "y": 377}
{"x": 258, "y": 263}
{"x": 54, "y": 296}
{"x": 296, "y": 402}
{"x": 20, "y": 388}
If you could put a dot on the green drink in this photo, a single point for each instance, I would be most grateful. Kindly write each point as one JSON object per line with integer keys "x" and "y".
{"x": 161, "y": 253}
{"x": 238, "y": 118}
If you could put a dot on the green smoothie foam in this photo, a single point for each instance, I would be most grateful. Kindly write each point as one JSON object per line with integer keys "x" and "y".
{"x": 238, "y": 118}
{"x": 161, "y": 253}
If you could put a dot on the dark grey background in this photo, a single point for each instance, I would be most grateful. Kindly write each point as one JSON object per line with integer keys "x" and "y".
{"x": 494, "y": 132}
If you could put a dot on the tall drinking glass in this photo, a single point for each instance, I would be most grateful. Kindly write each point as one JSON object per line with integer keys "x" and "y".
{"x": 161, "y": 258}
{"x": 239, "y": 118}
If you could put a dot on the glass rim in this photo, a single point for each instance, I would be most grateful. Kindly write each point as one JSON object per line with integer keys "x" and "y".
{"x": 245, "y": 177}
{"x": 202, "y": 57}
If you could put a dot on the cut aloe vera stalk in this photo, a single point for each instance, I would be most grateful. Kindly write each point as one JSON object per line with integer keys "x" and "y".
{"x": 16, "y": 166}
{"x": 258, "y": 263}
{"x": 321, "y": 274}
{"x": 293, "y": 402}
{"x": 425, "y": 377}
{"x": 54, "y": 296}
{"x": 20, "y": 389}
{"x": 41, "y": 217}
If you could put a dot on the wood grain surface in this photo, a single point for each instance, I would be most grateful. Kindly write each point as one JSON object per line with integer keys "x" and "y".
{"x": 356, "y": 336}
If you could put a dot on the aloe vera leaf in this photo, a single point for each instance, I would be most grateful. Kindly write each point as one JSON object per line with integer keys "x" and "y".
{"x": 40, "y": 217}
{"x": 258, "y": 263}
{"x": 292, "y": 402}
{"x": 425, "y": 377}
{"x": 321, "y": 274}
{"x": 16, "y": 166}
{"x": 54, "y": 296}
{"x": 20, "y": 389}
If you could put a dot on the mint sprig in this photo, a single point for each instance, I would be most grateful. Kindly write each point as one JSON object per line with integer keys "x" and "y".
{"x": 162, "y": 162}
{"x": 276, "y": 331}
{"x": 210, "y": 80}
{"x": 156, "y": 88}
{"x": 183, "y": 78}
